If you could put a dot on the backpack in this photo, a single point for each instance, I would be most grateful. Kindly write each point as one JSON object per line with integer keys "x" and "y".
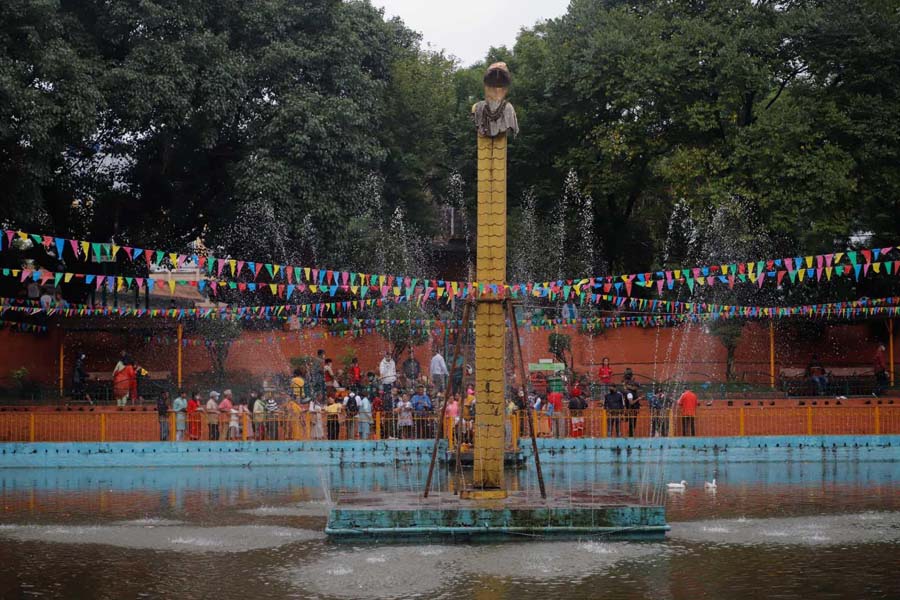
{"x": 352, "y": 406}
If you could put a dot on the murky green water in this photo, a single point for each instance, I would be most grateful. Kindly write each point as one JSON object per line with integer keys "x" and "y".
{"x": 776, "y": 530}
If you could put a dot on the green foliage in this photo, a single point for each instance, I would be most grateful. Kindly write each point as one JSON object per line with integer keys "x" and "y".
{"x": 218, "y": 335}
{"x": 163, "y": 121}
{"x": 403, "y": 327}
{"x": 780, "y": 104}
{"x": 729, "y": 333}
{"x": 560, "y": 344}
{"x": 302, "y": 362}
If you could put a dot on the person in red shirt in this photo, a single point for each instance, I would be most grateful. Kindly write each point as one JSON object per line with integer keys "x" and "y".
{"x": 355, "y": 375}
{"x": 556, "y": 401}
{"x": 688, "y": 405}
{"x": 604, "y": 375}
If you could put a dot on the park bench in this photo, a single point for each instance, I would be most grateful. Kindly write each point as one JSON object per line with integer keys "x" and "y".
{"x": 842, "y": 381}
{"x": 99, "y": 386}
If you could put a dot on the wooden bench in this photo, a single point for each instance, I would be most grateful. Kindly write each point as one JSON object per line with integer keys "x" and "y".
{"x": 842, "y": 381}
{"x": 108, "y": 376}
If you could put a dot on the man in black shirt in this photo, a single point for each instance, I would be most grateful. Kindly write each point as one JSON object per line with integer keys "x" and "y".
{"x": 614, "y": 404}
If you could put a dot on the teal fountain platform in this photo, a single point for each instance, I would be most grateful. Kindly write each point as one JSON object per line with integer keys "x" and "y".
{"x": 444, "y": 516}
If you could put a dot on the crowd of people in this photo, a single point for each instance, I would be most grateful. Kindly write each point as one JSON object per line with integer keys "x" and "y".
{"x": 321, "y": 402}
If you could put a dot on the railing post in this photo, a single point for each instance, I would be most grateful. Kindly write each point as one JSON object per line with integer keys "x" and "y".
{"x": 772, "y": 378}
{"x": 877, "y": 420}
{"x": 102, "y": 427}
{"x": 172, "y": 433}
{"x": 31, "y": 427}
{"x": 742, "y": 421}
{"x": 809, "y": 424}
{"x": 603, "y": 418}
{"x": 378, "y": 425}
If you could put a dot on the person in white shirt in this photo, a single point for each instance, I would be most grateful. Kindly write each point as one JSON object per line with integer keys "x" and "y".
{"x": 46, "y": 300}
{"x": 212, "y": 416}
{"x": 364, "y": 419}
{"x": 387, "y": 369}
{"x": 439, "y": 371}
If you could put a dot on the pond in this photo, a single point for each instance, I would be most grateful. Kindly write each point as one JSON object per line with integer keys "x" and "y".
{"x": 785, "y": 530}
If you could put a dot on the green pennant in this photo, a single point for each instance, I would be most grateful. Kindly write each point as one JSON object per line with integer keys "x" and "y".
{"x": 95, "y": 247}
{"x": 690, "y": 282}
{"x": 270, "y": 270}
{"x": 852, "y": 257}
{"x": 210, "y": 264}
{"x": 793, "y": 276}
{"x": 159, "y": 256}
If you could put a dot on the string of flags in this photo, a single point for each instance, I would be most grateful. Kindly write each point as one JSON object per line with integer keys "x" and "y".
{"x": 865, "y": 307}
{"x": 283, "y": 280}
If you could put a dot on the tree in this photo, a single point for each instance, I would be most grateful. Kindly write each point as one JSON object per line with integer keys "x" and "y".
{"x": 559, "y": 344}
{"x": 403, "y": 327}
{"x": 729, "y": 333}
{"x": 218, "y": 334}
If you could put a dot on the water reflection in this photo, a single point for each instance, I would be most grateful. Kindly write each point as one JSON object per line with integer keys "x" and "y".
{"x": 790, "y": 529}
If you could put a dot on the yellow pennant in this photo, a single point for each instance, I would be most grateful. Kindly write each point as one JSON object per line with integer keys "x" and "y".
{"x": 172, "y": 287}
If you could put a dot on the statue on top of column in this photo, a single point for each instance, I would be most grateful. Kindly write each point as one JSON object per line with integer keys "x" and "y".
{"x": 495, "y": 115}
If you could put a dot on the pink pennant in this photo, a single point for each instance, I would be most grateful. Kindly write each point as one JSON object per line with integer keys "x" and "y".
{"x": 128, "y": 251}
{"x": 659, "y": 286}
{"x": 829, "y": 258}
{"x": 240, "y": 267}
{"x": 9, "y": 236}
{"x": 220, "y": 264}
{"x": 74, "y": 245}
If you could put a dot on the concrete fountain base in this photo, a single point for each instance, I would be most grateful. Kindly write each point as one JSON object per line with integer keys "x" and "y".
{"x": 401, "y": 517}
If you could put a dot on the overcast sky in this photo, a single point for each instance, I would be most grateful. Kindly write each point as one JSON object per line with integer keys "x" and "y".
{"x": 468, "y": 28}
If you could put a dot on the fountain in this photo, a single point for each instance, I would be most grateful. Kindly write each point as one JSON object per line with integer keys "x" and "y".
{"x": 487, "y": 509}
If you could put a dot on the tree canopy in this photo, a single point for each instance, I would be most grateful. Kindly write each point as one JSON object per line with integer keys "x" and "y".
{"x": 653, "y": 131}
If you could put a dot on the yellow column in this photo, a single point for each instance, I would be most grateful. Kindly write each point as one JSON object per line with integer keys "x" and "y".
{"x": 877, "y": 420}
{"x": 102, "y": 427}
{"x": 809, "y": 427}
{"x": 31, "y": 427}
{"x": 180, "y": 335}
{"x": 62, "y": 375}
{"x": 743, "y": 428}
{"x": 771, "y": 354}
{"x": 490, "y": 317}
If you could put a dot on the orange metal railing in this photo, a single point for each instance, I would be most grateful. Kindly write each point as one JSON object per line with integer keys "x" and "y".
{"x": 44, "y": 426}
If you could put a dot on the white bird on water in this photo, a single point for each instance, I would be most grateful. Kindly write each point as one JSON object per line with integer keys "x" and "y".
{"x": 710, "y": 485}
{"x": 677, "y": 486}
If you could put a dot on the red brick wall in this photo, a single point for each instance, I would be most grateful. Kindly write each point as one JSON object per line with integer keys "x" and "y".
{"x": 659, "y": 354}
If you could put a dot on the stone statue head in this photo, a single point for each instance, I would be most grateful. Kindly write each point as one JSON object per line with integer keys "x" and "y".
{"x": 496, "y": 81}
